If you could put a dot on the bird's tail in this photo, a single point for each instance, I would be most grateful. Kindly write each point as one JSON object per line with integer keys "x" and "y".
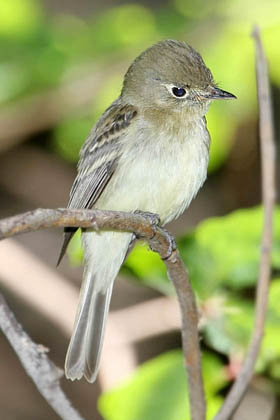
{"x": 104, "y": 255}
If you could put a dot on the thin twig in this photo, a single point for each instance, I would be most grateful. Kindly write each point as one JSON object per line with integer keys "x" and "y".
{"x": 160, "y": 241}
{"x": 268, "y": 192}
{"x": 36, "y": 363}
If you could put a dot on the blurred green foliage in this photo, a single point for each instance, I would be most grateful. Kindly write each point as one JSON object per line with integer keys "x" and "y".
{"x": 38, "y": 52}
{"x": 161, "y": 390}
{"x": 222, "y": 253}
{"x": 20, "y": 19}
{"x": 222, "y": 256}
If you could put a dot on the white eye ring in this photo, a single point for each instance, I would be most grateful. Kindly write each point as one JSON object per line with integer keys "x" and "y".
{"x": 177, "y": 92}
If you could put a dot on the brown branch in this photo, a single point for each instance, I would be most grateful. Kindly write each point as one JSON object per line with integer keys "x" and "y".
{"x": 36, "y": 363}
{"x": 180, "y": 278}
{"x": 268, "y": 191}
{"x": 160, "y": 241}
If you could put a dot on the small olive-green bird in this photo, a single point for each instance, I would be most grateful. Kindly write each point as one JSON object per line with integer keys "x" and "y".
{"x": 149, "y": 151}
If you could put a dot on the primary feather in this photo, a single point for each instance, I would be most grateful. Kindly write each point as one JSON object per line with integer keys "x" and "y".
{"x": 98, "y": 159}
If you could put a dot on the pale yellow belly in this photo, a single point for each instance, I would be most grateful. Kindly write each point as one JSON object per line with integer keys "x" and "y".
{"x": 164, "y": 182}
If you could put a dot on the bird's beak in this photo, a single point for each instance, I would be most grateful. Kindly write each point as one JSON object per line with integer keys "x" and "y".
{"x": 215, "y": 93}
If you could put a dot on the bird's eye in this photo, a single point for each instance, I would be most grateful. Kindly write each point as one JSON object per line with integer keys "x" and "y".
{"x": 179, "y": 92}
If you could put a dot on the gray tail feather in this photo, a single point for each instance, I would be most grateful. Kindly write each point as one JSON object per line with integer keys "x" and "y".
{"x": 83, "y": 355}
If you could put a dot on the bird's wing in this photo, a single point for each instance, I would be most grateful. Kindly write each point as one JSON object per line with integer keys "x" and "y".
{"x": 98, "y": 160}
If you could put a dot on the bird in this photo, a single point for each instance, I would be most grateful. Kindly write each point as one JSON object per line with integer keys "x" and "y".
{"x": 148, "y": 152}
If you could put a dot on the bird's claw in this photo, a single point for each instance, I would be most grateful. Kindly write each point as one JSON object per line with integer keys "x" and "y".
{"x": 153, "y": 218}
{"x": 171, "y": 244}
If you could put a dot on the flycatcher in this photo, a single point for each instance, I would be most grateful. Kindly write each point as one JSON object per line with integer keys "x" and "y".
{"x": 149, "y": 151}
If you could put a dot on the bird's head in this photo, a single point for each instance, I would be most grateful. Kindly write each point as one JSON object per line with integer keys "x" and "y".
{"x": 171, "y": 75}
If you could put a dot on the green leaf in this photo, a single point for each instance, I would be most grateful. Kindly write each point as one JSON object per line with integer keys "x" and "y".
{"x": 148, "y": 267}
{"x": 158, "y": 390}
{"x": 75, "y": 249}
{"x": 225, "y": 251}
{"x": 200, "y": 263}
{"x": 229, "y": 325}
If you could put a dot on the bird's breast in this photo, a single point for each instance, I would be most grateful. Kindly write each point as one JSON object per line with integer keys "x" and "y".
{"x": 161, "y": 172}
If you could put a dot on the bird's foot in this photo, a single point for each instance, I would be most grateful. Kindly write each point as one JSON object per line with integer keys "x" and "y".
{"x": 153, "y": 218}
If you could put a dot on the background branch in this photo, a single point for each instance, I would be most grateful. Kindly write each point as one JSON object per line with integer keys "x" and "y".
{"x": 36, "y": 363}
{"x": 268, "y": 192}
{"x": 161, "y": 242}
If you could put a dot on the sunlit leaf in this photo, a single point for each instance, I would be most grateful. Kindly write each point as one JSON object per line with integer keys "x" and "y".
{"x": 230, "y": 247}
{"x": 75, "y": 249}
{"x": 19, "y": 18}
